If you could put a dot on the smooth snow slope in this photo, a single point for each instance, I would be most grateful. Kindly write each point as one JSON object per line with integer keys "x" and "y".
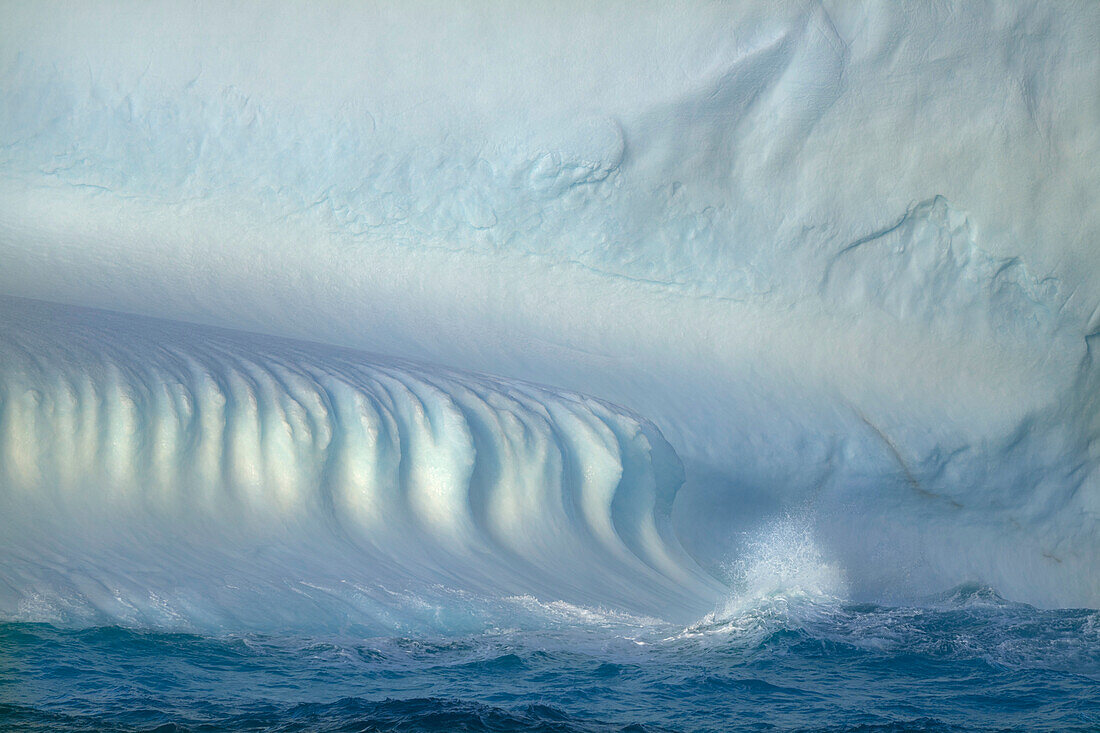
{"x": 843, "y": 256}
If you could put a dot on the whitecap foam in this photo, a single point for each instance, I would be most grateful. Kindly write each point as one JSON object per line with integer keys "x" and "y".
{"x": 780, "y": 579}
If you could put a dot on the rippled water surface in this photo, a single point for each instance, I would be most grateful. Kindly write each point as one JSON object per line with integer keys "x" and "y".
{"x": 969, "y": 661}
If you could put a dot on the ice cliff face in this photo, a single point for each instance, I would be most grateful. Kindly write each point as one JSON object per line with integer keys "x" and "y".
{"x": 843, "y": 257}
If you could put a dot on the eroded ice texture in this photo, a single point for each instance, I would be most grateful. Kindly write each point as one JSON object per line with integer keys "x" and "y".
{"x": 842, "y": 258}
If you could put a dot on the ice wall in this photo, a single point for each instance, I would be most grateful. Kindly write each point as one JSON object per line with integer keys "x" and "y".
{"x": 843, "y": 256}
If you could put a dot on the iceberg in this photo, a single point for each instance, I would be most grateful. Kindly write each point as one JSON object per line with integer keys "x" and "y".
{"x": 722, "y": 266}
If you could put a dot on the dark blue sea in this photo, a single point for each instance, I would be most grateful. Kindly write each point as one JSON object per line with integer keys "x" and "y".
{"x": 969, "y": 661}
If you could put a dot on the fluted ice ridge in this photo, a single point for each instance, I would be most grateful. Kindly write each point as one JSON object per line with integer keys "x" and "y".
{"x": 154, "y": 447}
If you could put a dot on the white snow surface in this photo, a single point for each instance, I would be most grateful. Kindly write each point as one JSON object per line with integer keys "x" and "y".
{"x": 843, "y": 257}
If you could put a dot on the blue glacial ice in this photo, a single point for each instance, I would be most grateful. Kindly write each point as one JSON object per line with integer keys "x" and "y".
{"x": 751, "y": 262}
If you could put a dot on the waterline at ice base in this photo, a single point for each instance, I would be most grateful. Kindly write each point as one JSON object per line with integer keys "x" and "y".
{"x": 549, "y": 366}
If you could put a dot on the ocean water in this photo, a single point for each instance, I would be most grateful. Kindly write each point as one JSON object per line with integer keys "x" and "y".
{"x": 968, "y": 660}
